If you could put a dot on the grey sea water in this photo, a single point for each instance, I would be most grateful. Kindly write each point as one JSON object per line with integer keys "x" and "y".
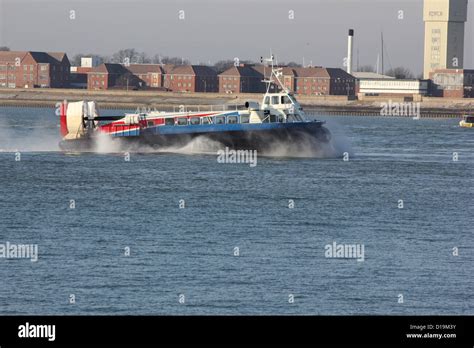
{"x": 190, "y": 251}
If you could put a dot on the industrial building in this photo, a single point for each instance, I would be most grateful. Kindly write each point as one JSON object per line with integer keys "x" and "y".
{"x": 372, "y": 84}
{"x": 450, "y": 83}
{"x": 444, "y": 34}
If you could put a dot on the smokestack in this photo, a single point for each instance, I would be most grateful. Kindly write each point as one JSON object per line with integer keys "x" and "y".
{"x": 350, "y": 44}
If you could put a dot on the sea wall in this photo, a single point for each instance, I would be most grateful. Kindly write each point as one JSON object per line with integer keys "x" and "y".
{"x": 120, "y": 99}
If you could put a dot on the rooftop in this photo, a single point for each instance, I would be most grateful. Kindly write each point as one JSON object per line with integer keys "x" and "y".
{"x": 39, "y": 57}
{"x": 370, "y": 75}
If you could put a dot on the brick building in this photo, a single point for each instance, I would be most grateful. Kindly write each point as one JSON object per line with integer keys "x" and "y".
{"x": 241, "y": 79}
{"x": 314, "y": 80}
{"x": 185, "y": 78}
{"x": 287, "y": 78}
{"x": 106, "y": 75}
{"x": 78, "y": 77}
{"x": 452, "y": 83}
{"x": 133, "y": 76}
{"x": 148, "y": 75}
{"x": 311, "y": 81}
{"x": 25, "y": 69}
{"x": 323, "y": 81}
{"x": 190, "y": 78}
{"x": 340, "y": 82}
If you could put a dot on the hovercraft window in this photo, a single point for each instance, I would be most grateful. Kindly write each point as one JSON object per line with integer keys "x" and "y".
{"x": 220, "y": 119}
{"x": 275, "y": 100}
{"x": 182, "y": 121}
{"x": 244, "y": 119}
{"x": 232, "y": 119}
{"x": 169, "y": 121}
{"x": 206, "y": 120}
{"x": 195, "y": 120}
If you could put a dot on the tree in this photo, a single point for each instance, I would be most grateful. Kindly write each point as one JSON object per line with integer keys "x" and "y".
{"x": 175, "y": 61}
{"x": 142, "y": 58}
{"x": 400, "y": 73}
{"x": 223, "y": 65}
{"x": 366, "y": 68}
{"x": 293, "y": 65}
{"x": 160, "y": 59}
{"x": 126, "y": 56}
{"x": 4, "y": 48}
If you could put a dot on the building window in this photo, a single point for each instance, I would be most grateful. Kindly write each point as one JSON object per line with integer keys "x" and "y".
{"x": 44, "y": 67}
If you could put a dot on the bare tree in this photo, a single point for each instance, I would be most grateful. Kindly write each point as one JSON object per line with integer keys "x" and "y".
{"x": 4, "y": 48}
{"x": 400, "y": 73}
{"x": 142, "y": 58}
{"x": 175, "y": 61}
{"x": 293, "y": 65}
{"x": 223, "y": 65}
{"x": 366, "y": 68}
{"x": 126, "y": 56}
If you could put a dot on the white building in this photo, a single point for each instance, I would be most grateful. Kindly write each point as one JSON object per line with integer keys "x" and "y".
{"x": 376, "y": 84}
{"x": 89, "y": 62}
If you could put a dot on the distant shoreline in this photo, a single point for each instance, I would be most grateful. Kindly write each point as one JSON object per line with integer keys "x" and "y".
{"x": 168, "y": 101}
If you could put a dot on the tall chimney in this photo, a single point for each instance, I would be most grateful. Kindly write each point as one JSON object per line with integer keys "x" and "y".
{"x": 350, "y": 44}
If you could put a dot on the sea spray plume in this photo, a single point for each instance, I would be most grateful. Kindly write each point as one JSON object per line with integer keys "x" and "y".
{"x": 104, "y": 143}
{"x": 302, "y": 145}
{"x": 198, "y": 145}
{"x": 33, "y": 137}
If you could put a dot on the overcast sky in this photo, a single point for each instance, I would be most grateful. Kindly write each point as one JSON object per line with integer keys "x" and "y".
{"x": 224, "y": 29}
